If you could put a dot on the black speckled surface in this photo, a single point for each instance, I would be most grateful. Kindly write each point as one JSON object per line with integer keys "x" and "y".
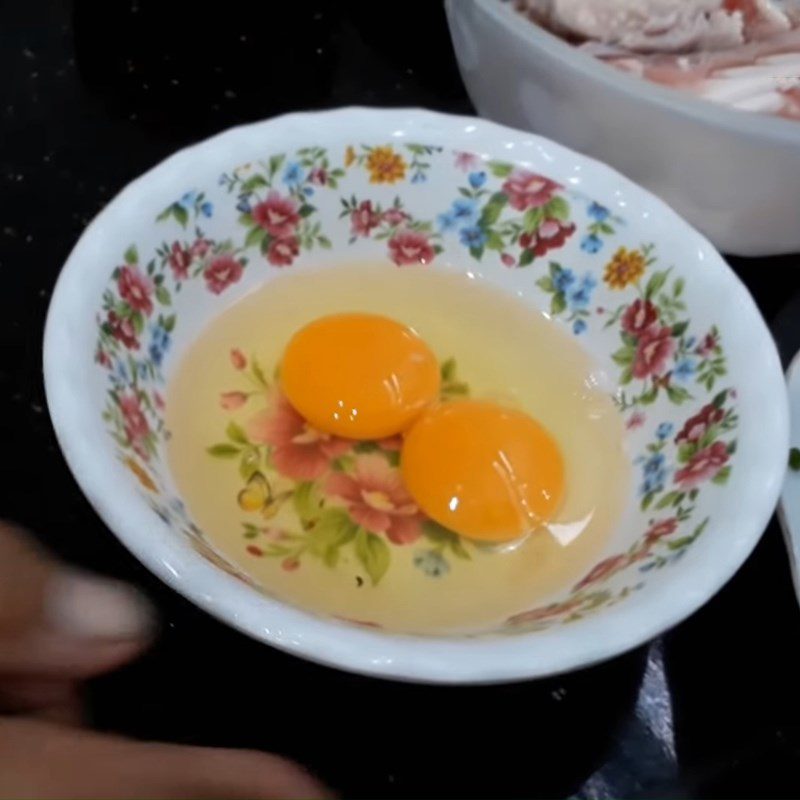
{"x": 94, "y": 93}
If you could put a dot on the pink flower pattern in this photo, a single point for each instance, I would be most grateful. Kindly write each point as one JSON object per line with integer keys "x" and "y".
{"x": 238, "y": 359}
{"x": 697, "y": 426}
{"x": 377, "y": 500}
{"x": 466, "y": 162}
{"x": 635, "y": 421}
{"x": 658, "y": 530}
{"x": 200, "y": 248}
{"x": 135, "y": 424}
{"x": 703, "y": 466}
{"x": 222, "y": 272}
{"x": 136, "y": 289}
{"x": 605, "y": 569}
{"x": 278, "y": 215}
{"x": 641, "y": 314}
{"x": 230, "y": 401}
{"x": 282, "y": 252}
{"x": 550, "y": 235}
{"x": 364, "y": 219}
{"x": 654, "y": 348}
{"x": 395, "y": 216}
{"x": 528, "y": 190}
{"x": 180, "y": 260}
{"x": 299, "y": 451}
{"x": 123, "y": 330}
{"x": 411, "y": 247}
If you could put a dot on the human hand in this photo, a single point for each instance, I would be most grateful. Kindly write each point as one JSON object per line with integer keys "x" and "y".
{"x": 59, "y": 627}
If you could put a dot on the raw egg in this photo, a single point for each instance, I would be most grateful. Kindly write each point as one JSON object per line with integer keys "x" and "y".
{"x": 485, "y": 471}
{"x": 359, "y": 376}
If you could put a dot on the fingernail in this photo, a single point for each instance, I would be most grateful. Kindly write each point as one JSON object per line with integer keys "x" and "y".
{"x": 87, "y": 607}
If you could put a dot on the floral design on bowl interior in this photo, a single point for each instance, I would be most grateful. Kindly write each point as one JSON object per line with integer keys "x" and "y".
{"x": 521, "y": 218}
{"x": 632, "y": 295}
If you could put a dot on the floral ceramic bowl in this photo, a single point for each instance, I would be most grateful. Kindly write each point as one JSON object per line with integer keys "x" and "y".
{"x": 694, "y": 370}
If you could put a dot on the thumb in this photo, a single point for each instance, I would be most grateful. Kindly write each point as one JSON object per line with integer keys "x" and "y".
{"x": 56, "y": 621}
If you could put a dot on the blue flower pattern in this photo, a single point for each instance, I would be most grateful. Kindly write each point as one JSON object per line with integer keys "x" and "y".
{"x": 591, "y": 244}
{"x": 580, "y": 297}
{"x": 564, "y": 280}
{"x": 655, "y": 473}
{"x": 473, "y": 237}
{"x": 447, "y": 222}
{"x": 571, "y": 294}
{"x": 191, "y": 202}
{"x": 664, "y": 431}
{"x": 159, "y": 344}
{"x": 597, "y": 212}
{"x": 121, "y": 372}
{"x": 293, "y": 174}
{"x": 601, "y": 219}
{"x": 466, "y": 212}
{"x": 684, "y": 370}
{"x": 463, "y": 215}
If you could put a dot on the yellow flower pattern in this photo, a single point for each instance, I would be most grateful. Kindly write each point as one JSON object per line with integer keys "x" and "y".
{"x": 141, "y": 474}
{"x": 625, "y": 268}
{"x": 385, "y": 166}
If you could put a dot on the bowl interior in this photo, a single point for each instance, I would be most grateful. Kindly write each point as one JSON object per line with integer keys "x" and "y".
{"x": 675, "y": 336}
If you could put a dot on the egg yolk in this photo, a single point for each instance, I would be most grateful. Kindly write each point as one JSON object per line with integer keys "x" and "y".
{"x": 359, "y": 376}
{"x": 482, "y": 470}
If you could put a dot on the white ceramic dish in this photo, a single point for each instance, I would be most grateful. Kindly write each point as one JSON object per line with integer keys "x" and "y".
{"x": 696, "y": 371}
{"x": 789, "y": 509}
{"x": 735, "y": 176}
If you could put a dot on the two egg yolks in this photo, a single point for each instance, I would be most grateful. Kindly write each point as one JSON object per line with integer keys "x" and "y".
{"x": 482, "y": 470}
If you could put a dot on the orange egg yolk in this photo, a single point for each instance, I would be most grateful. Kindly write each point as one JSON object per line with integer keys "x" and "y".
{"x": 359, "y": 376}
{"x": 484, "y": 471}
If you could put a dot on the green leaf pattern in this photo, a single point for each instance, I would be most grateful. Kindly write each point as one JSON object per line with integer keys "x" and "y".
{"x": 320, "y": 526}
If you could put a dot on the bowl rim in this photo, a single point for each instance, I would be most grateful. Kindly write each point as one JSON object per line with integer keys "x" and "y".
{"x": 494, "y": 659}
{"x": 760, "y": 126}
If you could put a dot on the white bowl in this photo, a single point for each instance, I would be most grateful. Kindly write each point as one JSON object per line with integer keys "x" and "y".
{"x": 789, "y": 508}
{"x": 657, "y": 570}
{"x": 734, "y": 175}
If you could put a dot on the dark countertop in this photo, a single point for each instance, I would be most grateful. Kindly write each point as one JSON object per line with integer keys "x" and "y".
{"x": 94, "y": 93}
